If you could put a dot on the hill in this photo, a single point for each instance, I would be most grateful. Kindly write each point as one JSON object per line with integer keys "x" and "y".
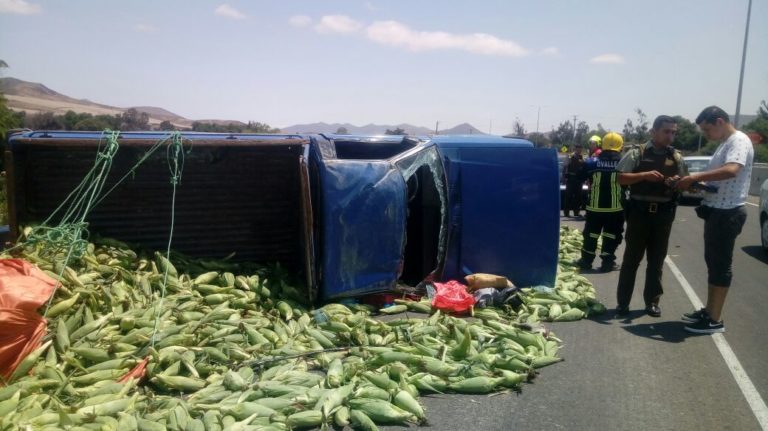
{"x": 379, "y": 129}
{"x": 462, "y": 129}
{"x": 33, "y": 98}
{"x": 368, "y": 129}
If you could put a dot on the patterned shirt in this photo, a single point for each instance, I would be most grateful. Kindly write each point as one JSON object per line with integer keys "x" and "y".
{"x": 732, "y": 192}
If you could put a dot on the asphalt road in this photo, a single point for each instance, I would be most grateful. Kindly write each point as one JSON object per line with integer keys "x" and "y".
{"x": 640, "y": 372}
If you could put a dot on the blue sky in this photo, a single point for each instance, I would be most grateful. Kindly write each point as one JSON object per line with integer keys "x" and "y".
{"x": 387, "y": 62}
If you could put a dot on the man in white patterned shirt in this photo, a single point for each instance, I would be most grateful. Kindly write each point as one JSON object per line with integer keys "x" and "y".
{"x": 723, "y": 211}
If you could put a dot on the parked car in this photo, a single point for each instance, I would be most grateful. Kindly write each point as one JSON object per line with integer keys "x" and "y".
{"x": 695, "y": 164}
{"x": 764, "y": 215}
{"x": 562, "y": 159}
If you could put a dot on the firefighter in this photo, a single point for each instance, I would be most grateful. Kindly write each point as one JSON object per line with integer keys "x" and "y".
{"x": 594, "y": 146}
{"x": 573, "y": 172}
{"x": 605, "y": 216}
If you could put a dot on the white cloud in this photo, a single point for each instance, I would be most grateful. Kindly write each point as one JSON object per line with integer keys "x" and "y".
{"x": 550, "y": 51}
{"x": 396, "y": 34}
{"x": 337, "y": 24}
{"x": 300, "y": 21}
{"x": 19, "y": 7}
{"x": 607, "y": 59}
{"x": 228, "y": 11}
{"x": 144, "y": 28}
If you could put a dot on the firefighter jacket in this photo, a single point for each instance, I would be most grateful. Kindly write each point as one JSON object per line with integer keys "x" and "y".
{"x": 605, "y": 191}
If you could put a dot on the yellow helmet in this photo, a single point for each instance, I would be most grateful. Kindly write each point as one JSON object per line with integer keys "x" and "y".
{"x": 596, "y": 139}
{"x": 612, "y": 141}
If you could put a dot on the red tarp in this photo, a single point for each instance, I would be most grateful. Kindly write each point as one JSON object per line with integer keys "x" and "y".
{"x": 23, "y": 289}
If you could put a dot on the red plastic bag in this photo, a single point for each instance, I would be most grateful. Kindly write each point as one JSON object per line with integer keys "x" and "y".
{"x": 23, "y": 289}
{"x": 452, "y": 296}
{"x": 137, "y": 372}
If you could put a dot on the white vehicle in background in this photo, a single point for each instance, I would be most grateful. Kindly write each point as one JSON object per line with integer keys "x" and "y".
{"x": 695, "y": 164}
{"x": 764, "y": 215}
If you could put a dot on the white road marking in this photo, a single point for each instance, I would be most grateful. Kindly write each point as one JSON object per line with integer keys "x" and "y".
{"x": 753, "y": 397}
{"x": 750, "y": 203}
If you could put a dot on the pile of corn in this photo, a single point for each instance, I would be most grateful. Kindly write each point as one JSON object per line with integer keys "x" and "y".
{"x": 573, "y": 296}
{"x": 571, "y": 240}
{"x": 227, "y": 351}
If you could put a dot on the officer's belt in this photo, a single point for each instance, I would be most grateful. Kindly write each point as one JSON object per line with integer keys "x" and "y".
{"x": 644, "y": 198}
{"x": 652, "y": 207}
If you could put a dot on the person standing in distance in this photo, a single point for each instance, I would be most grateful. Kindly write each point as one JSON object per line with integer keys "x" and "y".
{"x": 573, "y": 172}
{"x": 650, "y": 210}
{"x": 605, "y": 215}
{"x": 595, "y": 145}
{"x": 723, "y": 212}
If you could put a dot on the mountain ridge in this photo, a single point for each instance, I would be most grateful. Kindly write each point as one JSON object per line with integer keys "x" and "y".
{"x": 33, "y": 98}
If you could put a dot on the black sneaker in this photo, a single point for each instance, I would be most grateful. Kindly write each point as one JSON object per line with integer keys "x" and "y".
{"x": 583, "y": 265}
{"x": 695, "y": 316}
{"x": 609, "y": 267}
{"x": 706, "y": 326}
{"x": 621, "y": 311}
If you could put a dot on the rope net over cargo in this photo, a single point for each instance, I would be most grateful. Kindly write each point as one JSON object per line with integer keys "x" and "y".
{"x": 70, "y": 235}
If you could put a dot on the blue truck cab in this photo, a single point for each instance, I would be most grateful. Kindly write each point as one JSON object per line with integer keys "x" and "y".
{"x": 352, "y": 214}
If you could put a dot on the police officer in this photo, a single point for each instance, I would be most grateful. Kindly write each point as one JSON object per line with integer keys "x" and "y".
{"x": 648, "y": 170}
{"x": 605, "y": 215}
{"x": 573, "y": 172}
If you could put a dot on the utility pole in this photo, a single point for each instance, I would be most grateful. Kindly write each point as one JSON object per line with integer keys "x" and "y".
{"x": 437, "y": 123}
{"x": 743, "y": 60}
{"x": 538, "y": 114}
{"x": 574, "y": 129}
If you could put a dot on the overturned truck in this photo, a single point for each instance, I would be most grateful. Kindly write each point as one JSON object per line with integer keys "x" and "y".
{"x": 352, "y": 214}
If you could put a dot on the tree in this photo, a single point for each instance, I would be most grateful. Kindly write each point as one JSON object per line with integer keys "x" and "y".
{"x": 687, "y": 137}
{"x": 132, "y": 119}
{"x": 762, "y": 110}
{"x": 628, "y": 130}
{"x": 636, "y": 132}
{"x": 72, "y": 118}
{"x": 8, "y": 118}
{"x": 99, "y": 122}
{"x": 397, "y": 131}
{"x": 582, "y": 132}
{"x": 256, "y": 127}
{"x": 600, "y": 130}
{"x": 540, "y": 140}
{"x": 563, "y": 135}
{"x": 166, "y": 125}
{"x": 760, "y": 126}
{"x": 342, "y": 131}
{"x": 45, "y": 121}
{"x": 519, "y": 128}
